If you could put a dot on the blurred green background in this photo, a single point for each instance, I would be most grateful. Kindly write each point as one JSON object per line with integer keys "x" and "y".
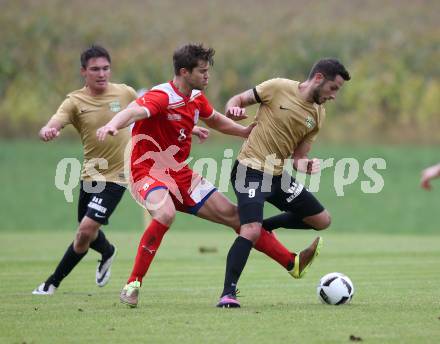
{"x": 389, "y": 109}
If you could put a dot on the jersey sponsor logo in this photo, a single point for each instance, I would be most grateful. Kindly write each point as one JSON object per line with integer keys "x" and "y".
{"x": 115, "y": 106}
{"x": 310, "y": 122}
{"x": 174, "y": 117}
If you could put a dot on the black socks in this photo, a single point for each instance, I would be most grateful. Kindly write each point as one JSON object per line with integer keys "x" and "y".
{"x": 65, "y": 266}
{"x": 102, "y": 245}
{"x": 235, "y": 262}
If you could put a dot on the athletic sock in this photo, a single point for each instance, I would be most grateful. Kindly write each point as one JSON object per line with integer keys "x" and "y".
{"x": 65, "y": 266}
{"x": 285, "y": 220}
{"x": 103, "y": 246}
{"x": 268, "y": 244}
{"x": 235, "y": 262}
{"x": 147, "y": 249}
{"x": 272, "y": 247}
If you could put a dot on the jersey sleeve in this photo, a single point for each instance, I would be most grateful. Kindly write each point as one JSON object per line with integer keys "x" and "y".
{"x": 66, "y": 112}
{"x": 206, "y": 109}
{"x": 265, "y": 91}
{"x": 155, "y": 101}
{"x": 132, "y": 93}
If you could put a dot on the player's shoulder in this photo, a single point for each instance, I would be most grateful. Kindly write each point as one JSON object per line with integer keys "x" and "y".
{"x": 167, "y": 89}
{"x": 76, "y": 93}
{"x": 276, "y": 83}
{"x": 282, "y": 82}
{"x": 122, "y": 88}
{"x": 75, "y": 97}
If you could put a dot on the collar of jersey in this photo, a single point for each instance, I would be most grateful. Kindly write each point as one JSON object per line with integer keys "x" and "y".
{"x": 185, "y": 98}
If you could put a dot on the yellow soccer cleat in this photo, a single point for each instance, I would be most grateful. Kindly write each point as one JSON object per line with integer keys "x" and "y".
{"x": 305, "y": 258}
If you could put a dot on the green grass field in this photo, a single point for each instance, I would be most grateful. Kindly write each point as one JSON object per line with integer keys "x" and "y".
{"x": 395, "y": 276}
{"x": 387, "y": 243}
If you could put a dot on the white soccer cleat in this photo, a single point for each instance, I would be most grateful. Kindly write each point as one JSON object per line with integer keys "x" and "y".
{"x": 130, "y": 294}
{"x": 103, "y": 270}
{"x": 44, "y": 289}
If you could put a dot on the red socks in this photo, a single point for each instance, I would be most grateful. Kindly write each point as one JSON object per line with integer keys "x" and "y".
{"x": 269, "y": 245}
{"x": 147, "y": 249}
{"x": 152, "y": 237}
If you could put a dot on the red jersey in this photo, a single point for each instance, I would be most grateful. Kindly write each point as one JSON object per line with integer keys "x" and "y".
{"x": 164, "y": 139}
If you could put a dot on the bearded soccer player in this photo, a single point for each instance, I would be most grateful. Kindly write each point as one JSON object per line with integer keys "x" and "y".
{"x": 161, "y": 180}
{"x": 289, "y": 117}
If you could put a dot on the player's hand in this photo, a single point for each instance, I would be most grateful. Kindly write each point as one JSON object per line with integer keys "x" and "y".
{"x": 236, "y": 113}
{"x": 427, "y": 175}
{"x": 201, "y": 132}
{"x": 309, "y": 166}
{"x": 102, "y": 132}
{"x": 248, "y": 129}
{"x": 47, "y": 134}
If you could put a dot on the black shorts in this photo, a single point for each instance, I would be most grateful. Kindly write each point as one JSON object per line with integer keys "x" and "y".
{"x": 253, "y": 188}
{"x": 98, "y": 205}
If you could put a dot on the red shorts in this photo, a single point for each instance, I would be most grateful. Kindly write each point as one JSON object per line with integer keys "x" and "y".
{"x": 188, "y": 190}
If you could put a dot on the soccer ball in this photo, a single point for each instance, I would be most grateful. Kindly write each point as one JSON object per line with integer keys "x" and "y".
{"x": 335, "y": 289}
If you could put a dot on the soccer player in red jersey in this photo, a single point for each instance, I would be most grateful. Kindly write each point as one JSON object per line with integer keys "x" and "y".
{"x": 161, "y": 180}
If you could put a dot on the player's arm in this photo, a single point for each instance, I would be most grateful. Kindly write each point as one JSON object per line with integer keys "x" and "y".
{"x": 51, "y": 130}
{"x": 227, "y": 126}
{"x": 428, "y": 174}
{"x": 301, "y": 161}
{"x": 201, "y": 132}
{"x": 123, "y": 119}
{"x": 236, "y": 106}
{"x": 64, "y": 116}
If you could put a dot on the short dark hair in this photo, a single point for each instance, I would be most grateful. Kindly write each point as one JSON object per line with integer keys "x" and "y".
{"x": 189, "y": 55}
{"x": 329, "y": 67}
{"x": 93, "y": 52}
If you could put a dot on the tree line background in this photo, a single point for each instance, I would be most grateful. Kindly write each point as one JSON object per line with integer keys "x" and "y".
{"x": 390, "y": 47}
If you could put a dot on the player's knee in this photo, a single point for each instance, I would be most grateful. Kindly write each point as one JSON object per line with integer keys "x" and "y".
{"x": 324, "y": 221}
{"x": 166, "y": 216}
{"x": 251, "y": 231}
{"x": 83, "y": 240}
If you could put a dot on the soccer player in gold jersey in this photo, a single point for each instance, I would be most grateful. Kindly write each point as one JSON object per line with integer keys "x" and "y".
{"x": 102, "y": 176}
{"x": 289, "y": 117}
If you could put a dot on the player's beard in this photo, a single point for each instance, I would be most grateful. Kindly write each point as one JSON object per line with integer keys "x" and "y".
{"x": 196, "y": 84}
{"x": 316, "y": 95}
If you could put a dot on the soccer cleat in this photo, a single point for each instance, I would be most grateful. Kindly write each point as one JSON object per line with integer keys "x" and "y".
{"x": 103, "y": 270}
{"x": 44, "y": 289}
{"x": 305, "y": 258}
{"x": 228, "y": 301}
{"x": 130, "y": 294}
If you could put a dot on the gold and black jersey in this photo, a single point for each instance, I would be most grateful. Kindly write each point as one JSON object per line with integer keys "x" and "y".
{"x": 284, "y": 121}
{"x": 88, "y": 113}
